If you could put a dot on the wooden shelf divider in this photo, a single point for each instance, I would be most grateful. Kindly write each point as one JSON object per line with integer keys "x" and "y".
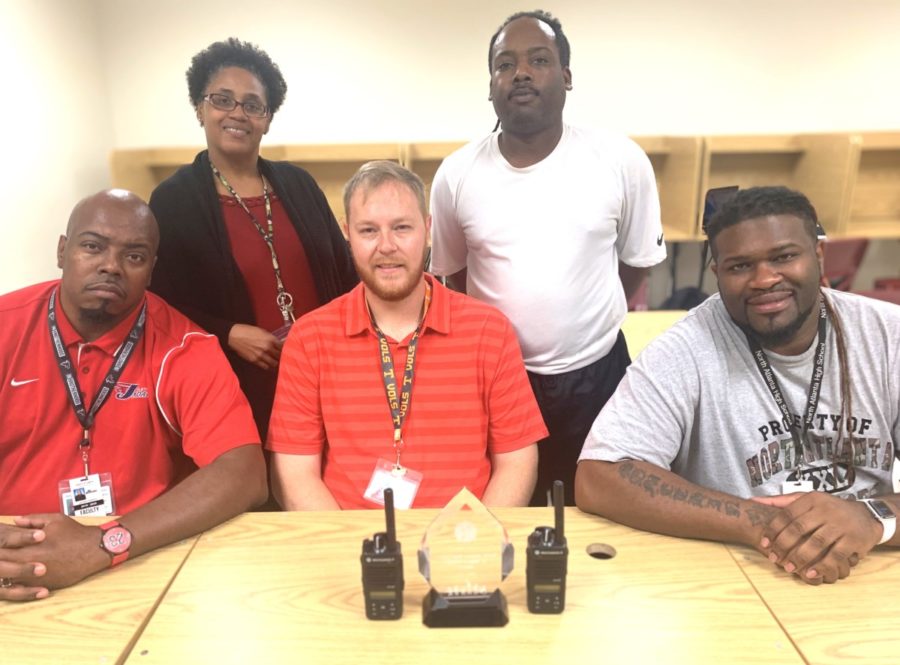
{"x": 853, "y": 179}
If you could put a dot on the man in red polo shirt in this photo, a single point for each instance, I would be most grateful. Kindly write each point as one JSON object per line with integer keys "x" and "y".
{"x": 401, "y": 383}
{"x": 112, "y": 403}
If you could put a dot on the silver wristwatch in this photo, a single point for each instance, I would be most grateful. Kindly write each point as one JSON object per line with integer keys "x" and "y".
{"x": 882, "y": 512}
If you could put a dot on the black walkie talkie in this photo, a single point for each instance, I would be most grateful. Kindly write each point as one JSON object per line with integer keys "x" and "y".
{"x": 382, "y": 569}
{"x": 548, "y": 556}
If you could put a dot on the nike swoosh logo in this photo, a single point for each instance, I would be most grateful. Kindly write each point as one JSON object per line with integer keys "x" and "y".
{"x": 16, "y": 384}
{"x": 659, "y": 240}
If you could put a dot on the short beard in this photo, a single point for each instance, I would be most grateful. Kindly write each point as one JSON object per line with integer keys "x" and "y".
{"x": 97, "y": 316}
{"x": 783, "y": 335}
{"x": 393, "y": 296}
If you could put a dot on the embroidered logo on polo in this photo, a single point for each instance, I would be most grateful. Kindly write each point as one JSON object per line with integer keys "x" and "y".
{"x": 131, "y": 391}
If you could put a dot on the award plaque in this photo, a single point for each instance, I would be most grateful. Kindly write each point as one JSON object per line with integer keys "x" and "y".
{"x": 465, "y": 555}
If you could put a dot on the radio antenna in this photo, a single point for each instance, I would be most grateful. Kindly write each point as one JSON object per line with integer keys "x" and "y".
{"x": 558, "y": 502}
{"x": 391, "y": 528}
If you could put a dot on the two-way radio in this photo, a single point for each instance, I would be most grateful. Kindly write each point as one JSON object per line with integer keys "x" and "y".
{"x": 547, "y": 556}
{"x": 382, "y": 569}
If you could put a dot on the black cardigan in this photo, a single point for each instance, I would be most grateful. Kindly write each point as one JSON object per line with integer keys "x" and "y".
{"x": 196, "y": 271}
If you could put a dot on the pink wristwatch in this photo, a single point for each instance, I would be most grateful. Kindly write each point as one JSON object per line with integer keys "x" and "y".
{"x": 115, "y": 541}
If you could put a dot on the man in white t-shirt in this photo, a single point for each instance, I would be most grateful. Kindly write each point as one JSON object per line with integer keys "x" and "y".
{"x": 554, "y": 225}
{"x": 774, "y": 389}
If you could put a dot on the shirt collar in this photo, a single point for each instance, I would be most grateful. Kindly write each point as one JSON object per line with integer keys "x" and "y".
{"x": 437, "y": 318}
{"x": 109, "y": 342}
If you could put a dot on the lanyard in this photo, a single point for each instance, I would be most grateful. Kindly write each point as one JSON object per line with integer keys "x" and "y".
{"x": 815, "y": 383}
{"x": 399, "y": 402}
{"x": 283, "y": 299}
{"x": 70, "y": 379}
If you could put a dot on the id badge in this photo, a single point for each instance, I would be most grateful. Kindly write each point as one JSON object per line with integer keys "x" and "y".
{"x": 791, "y": 486}
{"x": 87, "y": 495}
{"x": 282, "y": 332}
{"x": 404, "y": 481}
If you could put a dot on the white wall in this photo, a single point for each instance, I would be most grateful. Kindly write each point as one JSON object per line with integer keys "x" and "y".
{"x": 411, "y": 70}
{"x": 390, "y": 70}
{"x": 55, "y": 147}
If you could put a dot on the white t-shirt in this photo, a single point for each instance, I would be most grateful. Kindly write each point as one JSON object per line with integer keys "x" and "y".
{"x": 543, "y": 243}
{"x": 694, "y": 403}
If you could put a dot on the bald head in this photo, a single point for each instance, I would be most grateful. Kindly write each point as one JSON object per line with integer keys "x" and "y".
{"x": 107, "y": 257}
{"x": 127, "y": 207}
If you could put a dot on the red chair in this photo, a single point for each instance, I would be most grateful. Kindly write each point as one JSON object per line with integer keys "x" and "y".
{"x": 890, "y": 295}
{"x": 887, "y": 283}
{"x": 843, "y": 257}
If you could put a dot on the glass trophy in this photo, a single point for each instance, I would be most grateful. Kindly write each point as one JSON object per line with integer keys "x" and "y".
{"x": 465, "y": 555}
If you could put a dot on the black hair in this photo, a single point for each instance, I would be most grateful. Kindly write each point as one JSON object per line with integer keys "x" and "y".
{"x": 234, "y": 53}
{"x": 562, "y": 42}
{"x": 762, "y": 202}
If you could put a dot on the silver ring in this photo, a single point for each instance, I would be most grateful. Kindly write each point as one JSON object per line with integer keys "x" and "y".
{"x": 5, "y": 582}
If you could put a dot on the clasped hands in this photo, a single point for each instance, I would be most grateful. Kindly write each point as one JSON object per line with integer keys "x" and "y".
{"x": 47, "y": 551}
{"x": 817, "y": 536}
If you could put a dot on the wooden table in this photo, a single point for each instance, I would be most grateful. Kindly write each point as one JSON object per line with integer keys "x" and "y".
{"x": 94, "y": 622}
{"x": 285, "y": 588}
{"x": 640, "y": 328}
{"x": 853, "y": 621}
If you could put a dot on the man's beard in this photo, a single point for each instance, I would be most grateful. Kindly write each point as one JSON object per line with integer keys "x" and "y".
{"x": 96, "y": 316}
{"x": 780, "y": 336}
{"x": 392, "y": 295}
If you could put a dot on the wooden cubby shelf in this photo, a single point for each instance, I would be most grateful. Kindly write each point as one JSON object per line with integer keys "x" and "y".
{"x": 853, "y": 179}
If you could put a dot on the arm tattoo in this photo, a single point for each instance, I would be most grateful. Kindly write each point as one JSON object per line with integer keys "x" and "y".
{"x": 760, "y": 514}
{"x": 654, "y": 486}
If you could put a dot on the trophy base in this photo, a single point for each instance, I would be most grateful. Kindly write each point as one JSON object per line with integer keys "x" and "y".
{"x": 440, "y": 611}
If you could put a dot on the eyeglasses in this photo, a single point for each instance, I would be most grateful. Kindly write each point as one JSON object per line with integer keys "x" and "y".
{"x": 226, "y": 103}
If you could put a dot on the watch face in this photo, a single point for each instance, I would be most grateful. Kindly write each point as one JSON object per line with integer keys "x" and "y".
{"x": 117, "y": 540}
{"x": 881, "y": 509}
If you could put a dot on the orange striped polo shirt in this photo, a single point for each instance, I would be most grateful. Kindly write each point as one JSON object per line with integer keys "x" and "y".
{"x": 471, "y": 397}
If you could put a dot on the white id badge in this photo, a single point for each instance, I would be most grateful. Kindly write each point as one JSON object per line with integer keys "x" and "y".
{"x": 791, "y": 486}
{"x": 405, "y": 483}
{"x": 87, "y": 495}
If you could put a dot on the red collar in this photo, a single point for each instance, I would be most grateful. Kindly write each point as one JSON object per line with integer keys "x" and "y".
{"x": 437, "y": 318}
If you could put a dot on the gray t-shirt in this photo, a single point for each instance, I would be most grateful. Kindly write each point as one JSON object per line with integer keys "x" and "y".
{"x": 694, "y": 402}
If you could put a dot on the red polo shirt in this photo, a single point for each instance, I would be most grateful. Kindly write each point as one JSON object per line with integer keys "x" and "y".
{"x": 176, "y": 406}
{"x": 471, "y": 397}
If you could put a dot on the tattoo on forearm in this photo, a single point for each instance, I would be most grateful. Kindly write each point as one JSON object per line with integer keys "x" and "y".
{"x": 654, "y": 486}
{"x": 760, "y": 514}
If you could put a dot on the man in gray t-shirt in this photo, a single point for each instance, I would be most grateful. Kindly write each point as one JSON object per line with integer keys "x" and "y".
{"x": 774, "y": 389}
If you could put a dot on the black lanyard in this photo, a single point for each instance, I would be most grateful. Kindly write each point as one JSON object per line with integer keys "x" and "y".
{"x": 398, "y": 401}
{"x": 70, "y": 379}
{"x": 283, "y": 299}
{"x": 815, "y": 383}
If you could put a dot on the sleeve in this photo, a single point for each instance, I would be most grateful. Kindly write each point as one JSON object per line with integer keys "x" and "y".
{"x": 514, "y": 416}
{"x": 296, "y": 426}
{"x": 448, "y": 242}
{"x": 343, "y": 261}
{"x": 640, "y": 242}
{"x": 201, "y": 399}
{"x": 173, "y": 273}
{"x": 652, "y": 411}
{"x": 318, "y": 229}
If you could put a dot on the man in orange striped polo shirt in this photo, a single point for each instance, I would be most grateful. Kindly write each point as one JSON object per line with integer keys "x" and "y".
{"x": 401, "y": 383}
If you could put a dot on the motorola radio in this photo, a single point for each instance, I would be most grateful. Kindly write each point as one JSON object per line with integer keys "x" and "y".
{"x": 548, "y": 555}
{"x": 382, "y": 569}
